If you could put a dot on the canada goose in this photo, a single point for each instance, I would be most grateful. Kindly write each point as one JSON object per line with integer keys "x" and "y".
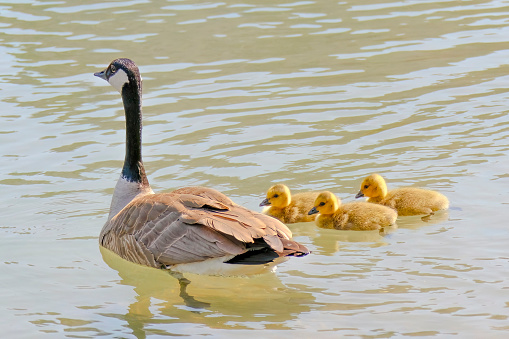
{"x": 192, "y": 229}
{"x": 406, "y": 200}
{"x": 286, "y": 207}
{"x": 356, "y": 216}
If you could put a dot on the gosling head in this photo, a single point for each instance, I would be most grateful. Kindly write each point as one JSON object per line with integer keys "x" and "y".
{"x": 278, "y": 196}
{"x": 325, "y": 203}
{"x": 373, "y": 187}
{"x": 121, "y": 73}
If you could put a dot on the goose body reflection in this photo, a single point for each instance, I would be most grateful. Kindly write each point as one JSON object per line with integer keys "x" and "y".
{"x": 192, "y": 229}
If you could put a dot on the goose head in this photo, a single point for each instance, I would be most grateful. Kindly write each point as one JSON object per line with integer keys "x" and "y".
{"x": 121, "y": 73}
{"x": 278, "y": 196}
{"x": 373, "y": 187}
{"x": 325, "y": 203}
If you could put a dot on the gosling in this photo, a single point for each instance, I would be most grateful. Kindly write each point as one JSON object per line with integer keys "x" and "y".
{"x": 405, "y": 200}
{"x": 356, "y": 216}
{"x": 286, "y": 207}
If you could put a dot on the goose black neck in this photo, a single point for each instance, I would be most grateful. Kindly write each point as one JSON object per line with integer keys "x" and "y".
{"x": 133, "y": 169}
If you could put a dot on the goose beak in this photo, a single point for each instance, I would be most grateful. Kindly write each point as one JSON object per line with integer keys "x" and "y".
{"x": 101, "y": 74}
{"x": 359, "y": 195}
{"x": 313, "y": 211}
{"x": 265, "y": 202}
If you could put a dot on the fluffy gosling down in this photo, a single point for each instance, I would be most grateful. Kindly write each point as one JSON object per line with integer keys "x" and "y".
{"x": 286, "y": 207}
{"x": 355, "y": 216}
{"x": 405, "y": 200}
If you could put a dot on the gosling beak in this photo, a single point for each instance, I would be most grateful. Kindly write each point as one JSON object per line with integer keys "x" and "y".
{"x": 313, "y": 211}
{"x": 101, "y": 74}
{"x": 265, "y": 202}
{"x": 359, "y": 195}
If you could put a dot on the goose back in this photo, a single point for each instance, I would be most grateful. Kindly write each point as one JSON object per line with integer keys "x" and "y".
{"x": 191, "y": 225}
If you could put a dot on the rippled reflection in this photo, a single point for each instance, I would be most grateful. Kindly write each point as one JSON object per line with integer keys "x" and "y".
{"x": 223, "y": 302}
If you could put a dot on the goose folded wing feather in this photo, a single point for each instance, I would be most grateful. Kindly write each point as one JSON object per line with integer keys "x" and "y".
{"x": 183, "y": 244}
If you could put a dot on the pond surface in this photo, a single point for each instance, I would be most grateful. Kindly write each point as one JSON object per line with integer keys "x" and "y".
{"x": 239, "y": 96}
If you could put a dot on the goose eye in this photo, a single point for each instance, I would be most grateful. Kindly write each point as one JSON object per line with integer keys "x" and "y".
{"x": 113, "y": 69}
{"x": 276, "y": 195}
{"x": 321, "y": 204}
{"x": 366, "y": 186}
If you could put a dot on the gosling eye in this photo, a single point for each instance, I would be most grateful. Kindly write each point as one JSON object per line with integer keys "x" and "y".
{"x": 321, "y": 204}
{"x": 366, "y": 186}
{"x": 276, "y": 195}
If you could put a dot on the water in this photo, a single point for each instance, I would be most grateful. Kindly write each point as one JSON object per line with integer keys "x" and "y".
{"x": 238, "y": 96}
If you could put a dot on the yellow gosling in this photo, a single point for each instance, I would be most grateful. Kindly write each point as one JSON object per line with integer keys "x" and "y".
{"x": 286, "y": 207}
{"x": 355, "y": 216}
{"x": 406, "y": 200}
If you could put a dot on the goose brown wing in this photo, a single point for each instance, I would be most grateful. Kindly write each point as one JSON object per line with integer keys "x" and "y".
{"x": 256, "y": 224}
{"x": 190, "y": 225}
{"x": 205, "y": 192}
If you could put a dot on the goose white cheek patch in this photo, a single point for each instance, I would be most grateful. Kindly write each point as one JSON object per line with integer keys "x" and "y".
{"x": 118, "y": 80}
